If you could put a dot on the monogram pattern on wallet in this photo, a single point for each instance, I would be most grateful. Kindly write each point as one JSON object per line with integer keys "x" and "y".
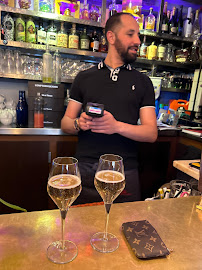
{"x": 144, "y": 240}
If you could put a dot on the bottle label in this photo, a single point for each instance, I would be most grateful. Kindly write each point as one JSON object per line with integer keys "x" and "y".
{"x": 30, "y": 32}
{"x": 52, "y": 38}
{"x": 20, "y": 30}
{"x": 161, "y": 52}
{"x": 143, "y": 51}
{"x": 8, "y": 25}
{"x": 95, "y": 45}
{"x": 152, "y": 50}
{"x": 84, "y": 43}
{"x": 150, "y": 26}
{"x": 73, "y": 42}
{"x": 62, "y": 40}
{"x": 164, "y": 27}
{"x": 173, "y": 30}
{"x": 41, "y": 36}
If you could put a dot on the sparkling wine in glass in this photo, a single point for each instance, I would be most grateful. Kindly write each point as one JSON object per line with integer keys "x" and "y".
{"x": 109, "y": 182}
{"x": 64, "y": 186}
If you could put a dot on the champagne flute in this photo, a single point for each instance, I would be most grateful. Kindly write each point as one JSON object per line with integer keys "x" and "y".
{"x": 109, "y": 182}
{"x": 64, "y": 186}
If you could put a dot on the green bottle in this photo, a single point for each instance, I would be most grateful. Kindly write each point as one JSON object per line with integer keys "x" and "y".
{"x": 20, "y": 29}
{"x": 30, "y": 31}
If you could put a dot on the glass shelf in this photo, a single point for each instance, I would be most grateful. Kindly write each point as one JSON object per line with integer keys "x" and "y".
{"x": 172, "y": 89}
{"x": 49, "y": 16}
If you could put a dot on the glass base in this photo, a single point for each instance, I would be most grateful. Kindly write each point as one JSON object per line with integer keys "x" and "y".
{"x": 99, "y": 243}
{"x": 56, "y": 254}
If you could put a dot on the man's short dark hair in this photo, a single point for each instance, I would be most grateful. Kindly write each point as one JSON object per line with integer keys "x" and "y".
{"x": 114, "y": 21}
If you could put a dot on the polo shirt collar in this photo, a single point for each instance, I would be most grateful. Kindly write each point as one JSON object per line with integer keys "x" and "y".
{"x": 103, "y": 65}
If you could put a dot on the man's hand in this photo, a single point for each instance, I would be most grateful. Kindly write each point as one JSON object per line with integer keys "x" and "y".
{"x": 105, "y": 124}
{"x": 84, "y": 121}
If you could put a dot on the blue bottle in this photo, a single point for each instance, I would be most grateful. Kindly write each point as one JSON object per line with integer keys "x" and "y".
{"x": 22, "y": 111}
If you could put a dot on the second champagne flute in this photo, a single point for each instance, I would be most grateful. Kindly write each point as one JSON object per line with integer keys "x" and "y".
{"x": 109, "y": 182}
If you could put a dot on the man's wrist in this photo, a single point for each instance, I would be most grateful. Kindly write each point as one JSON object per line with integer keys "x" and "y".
{"x": 76, "y": 124}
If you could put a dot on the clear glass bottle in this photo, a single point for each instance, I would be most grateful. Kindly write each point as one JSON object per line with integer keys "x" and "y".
{"x": 94, "y": 43}
{"x": 196, "y": 25}
{"x": 62, "y": 37}
{"x": 47, "y": 74}
{"x": 161, "y": 50}
{"x": 8, "y": 26}
{"x": 113, "y": 8}
{"x": 150, "y": 21}
{"x": 73, "y": 38}
{"x": 170, "y": 57}
{"x": 30, "y": 31}
{"x": 194, "y": 54}
{"x": 20, "y": 28}
{"x": 22, "y": 111}
{"x": 38, "y": 111}
{"x": 85, "y": 11}
{"x": 57, "y": 67}
{"x": 41, "y": 34}
{"x": 52, "y": 35}
{"x": 84, "y": 40}
{"x": 188, "y": 24}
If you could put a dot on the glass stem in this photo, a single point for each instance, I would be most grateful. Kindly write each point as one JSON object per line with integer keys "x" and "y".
{"x": 107, "y": 207}
{"x": 63, "y": 216}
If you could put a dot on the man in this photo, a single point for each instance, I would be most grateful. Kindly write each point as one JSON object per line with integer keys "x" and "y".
{"x": 127, "y": 95}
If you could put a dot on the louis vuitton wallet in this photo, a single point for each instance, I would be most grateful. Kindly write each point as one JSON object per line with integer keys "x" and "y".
{"x": 144, "y": 240}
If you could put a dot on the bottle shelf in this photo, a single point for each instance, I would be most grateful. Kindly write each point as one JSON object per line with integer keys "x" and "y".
{"x": 26, "y": 45}
{"x": 165, "y": 36}
{"x": 176, "y": 90}
{"x": 49, "y": 16}
{"x": 30, "y": 77}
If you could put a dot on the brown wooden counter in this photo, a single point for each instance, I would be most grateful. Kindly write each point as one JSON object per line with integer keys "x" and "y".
{"x": 26, "y": 236}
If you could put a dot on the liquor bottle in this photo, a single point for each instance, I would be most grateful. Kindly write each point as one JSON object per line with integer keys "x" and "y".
{"x": 47, "y": 74}
{"x": 8, "y": 26}
{"x": 151, "y": 51}
{"x": 161, "y": 50}
{"x": 57, "y": 67}
{"x": 20, "y": 29}
{"x": 30, "y": 31}
{"x": 196, "y": 25}
{"x": 22, "y": 111}
{"x": 188, "y": 24}
{"x": 143, "y": 49}
{"x": 52, "y": 35}
{"x": 180, "y": 23}
{"x": 38, "y": 111}
{"x": 93, "y": 13}
{"x": 73, "y": 38}
{"x": 103, "y": 42}
{"x": 140, "y": 21}
{"x": 150, "y": 21}
{"x": 113, "y": 8}
{"x": 62, "y": 37}
{"x": 129, "y": 8}
{"x": 181, "y": 55}
{"x": 194, "y": 55}
{"x": 41, "y": 34}
{"x": 94, "y": 43}
{"x": 165, "y": 21}
{"x": 85, "y": 11}
{"x": 84, "y": 40}
{"x": 173, "y": 22}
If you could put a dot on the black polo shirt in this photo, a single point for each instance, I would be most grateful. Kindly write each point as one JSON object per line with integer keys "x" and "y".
{"x": 123, "y": 91}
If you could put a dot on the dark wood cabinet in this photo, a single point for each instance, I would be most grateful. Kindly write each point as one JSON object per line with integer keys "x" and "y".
{"x": 24, "y": 171}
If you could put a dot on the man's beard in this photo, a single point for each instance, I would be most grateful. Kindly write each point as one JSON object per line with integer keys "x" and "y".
{"x": 124, "y": 54}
